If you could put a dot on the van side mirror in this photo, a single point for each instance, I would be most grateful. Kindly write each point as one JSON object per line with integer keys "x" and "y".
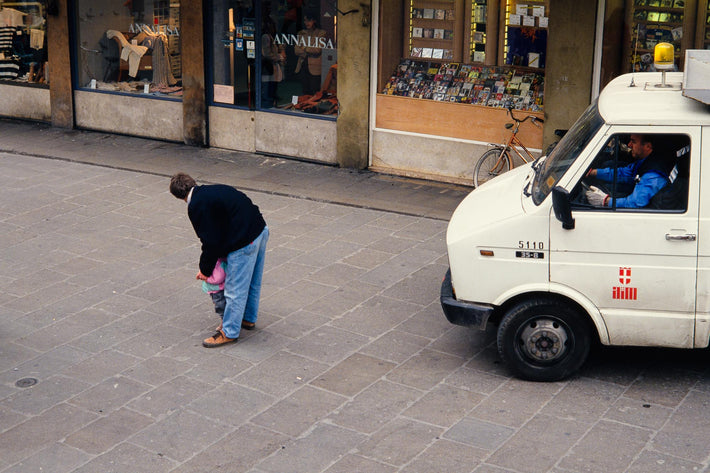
{"x": 562, "y": 207}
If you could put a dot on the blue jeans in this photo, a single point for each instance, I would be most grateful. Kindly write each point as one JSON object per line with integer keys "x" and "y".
{"x": 219, "y": 302}
{"x": 242, "y": 284}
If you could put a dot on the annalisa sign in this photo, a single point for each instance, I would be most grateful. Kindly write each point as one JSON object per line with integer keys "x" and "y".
{"x": 303, "y": 41}
{"x": 167, "y": 29}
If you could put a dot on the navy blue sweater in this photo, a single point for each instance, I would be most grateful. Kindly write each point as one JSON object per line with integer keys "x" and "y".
{"x": 225, "y": 220}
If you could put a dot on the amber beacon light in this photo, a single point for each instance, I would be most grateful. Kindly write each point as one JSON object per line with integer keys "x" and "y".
{"x": 663, "y": 56}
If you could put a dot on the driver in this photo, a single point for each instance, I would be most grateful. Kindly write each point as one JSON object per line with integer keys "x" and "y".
{"x": 648, "y": 174}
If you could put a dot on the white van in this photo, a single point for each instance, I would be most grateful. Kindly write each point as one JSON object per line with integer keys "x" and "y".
{"x": 598, "y": 240}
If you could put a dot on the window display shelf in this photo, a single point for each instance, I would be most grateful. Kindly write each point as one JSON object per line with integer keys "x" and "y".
{"x": 433, "y": 30}
{"x": 500, "y": 87}
{"x": 659, "y": 9}
{"x": 655, "y": 21}
{"x": 478, "y": 33}
{"x": 524, "y": 42}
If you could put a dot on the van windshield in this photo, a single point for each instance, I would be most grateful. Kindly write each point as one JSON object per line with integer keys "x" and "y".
{"x": 566, "y": 152}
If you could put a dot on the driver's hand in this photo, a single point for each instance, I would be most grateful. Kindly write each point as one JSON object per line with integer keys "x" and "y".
{"x": 596, "y": 197}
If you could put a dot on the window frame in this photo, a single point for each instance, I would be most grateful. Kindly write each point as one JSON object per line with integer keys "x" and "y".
{"x": 620, "y": 139}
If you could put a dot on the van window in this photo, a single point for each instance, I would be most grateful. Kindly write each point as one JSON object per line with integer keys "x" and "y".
{"x": 566, "y": 153}
{"x": 637, "y": 171}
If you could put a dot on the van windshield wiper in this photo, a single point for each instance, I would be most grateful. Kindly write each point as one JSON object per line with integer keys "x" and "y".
{"x": 526, "y": 189}
{"x": 536, "y": 165}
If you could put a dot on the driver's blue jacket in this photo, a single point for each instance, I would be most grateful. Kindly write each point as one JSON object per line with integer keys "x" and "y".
{"x": 647, "y": 186}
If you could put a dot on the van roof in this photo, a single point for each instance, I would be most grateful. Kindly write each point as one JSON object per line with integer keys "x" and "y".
{"x": 620, "y": 104}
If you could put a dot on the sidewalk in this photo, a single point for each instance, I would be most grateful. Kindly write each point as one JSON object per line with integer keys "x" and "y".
{"x": 247, "y": 171}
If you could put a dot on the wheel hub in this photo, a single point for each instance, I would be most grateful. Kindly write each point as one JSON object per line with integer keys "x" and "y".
{"x": 544, "y": 340}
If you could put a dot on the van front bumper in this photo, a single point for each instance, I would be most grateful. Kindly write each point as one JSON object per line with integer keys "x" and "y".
{"x": 464, "y": 313}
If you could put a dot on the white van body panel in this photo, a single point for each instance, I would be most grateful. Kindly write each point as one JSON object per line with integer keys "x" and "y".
{"x": 658, "y": 329}
{"x": 566, "y": 292}
{"x": 702, "y": 324}
{"x": 500, "y": 225}
{"x": 661, "y": 273}
{"x": 620, "y": 104}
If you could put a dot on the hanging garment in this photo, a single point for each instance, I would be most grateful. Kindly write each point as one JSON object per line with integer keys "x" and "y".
{"x": 9, "y": 68}
{"x": 36, "y": 39}
{"x": 162, "y": 71}
{"x": 131, "y": 53}
{"x": 7, "y": 36}
{"x": 11, "y": 17}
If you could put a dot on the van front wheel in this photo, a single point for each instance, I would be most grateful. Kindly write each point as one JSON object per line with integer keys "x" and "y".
{"x": 543, "y": 339}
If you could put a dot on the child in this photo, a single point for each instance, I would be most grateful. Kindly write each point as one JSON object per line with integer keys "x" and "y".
{"x": 214, "y": 286}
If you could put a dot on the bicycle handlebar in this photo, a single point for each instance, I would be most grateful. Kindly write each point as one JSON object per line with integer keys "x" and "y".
{"x": 533, "y": 118}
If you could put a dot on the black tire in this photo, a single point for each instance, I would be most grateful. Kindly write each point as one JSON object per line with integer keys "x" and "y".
{"x": 544, "y": 339}
{"x": 489, "y": 166}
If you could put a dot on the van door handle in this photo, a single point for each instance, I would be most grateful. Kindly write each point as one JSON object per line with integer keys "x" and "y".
{"x": 686, "y": 237}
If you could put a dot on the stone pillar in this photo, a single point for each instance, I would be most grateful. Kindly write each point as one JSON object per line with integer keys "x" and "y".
{"x": 612, "y": 44}
{"x": 194, "y": 102}
{"x": 569, "y": 64}
{"x": 60, "y": 85}
{"x": 353, "y": 83}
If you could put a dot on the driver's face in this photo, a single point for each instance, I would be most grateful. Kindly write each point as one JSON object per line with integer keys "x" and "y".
{"x": 639, "y": 149}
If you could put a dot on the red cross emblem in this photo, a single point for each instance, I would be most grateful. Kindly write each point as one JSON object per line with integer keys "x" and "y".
{"x": 625, "y": 275}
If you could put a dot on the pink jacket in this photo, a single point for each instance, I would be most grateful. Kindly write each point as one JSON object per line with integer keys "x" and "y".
{"x": 217, "y": 277}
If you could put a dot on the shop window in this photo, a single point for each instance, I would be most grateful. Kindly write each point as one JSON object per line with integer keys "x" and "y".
{"x": 131, "y": 47}
{"x": 478, "y": 31}
{"x": 525, "y": 37}
{"x": 23, "y": 42}
{"x": 482, "y": 52}
{"x": 653, "y": 22}
{"x": 683, "y": 23}
{"x": 270, "y": 55}
{"x": 435, "y": 30}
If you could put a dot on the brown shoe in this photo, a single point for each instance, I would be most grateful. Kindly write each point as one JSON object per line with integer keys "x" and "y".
{"x": 217, "y": 340}
{"x": 248, "y": 325}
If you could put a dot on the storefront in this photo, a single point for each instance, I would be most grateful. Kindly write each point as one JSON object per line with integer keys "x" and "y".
{"x": 127, "y": 67}
{"x": 448, "y": 69}
{"x": 679, "y": 22}
{"x": 24, "y": 75}
{"x": 633, "y": 27}
{"x": 262, "y": 75}
{"x": 447, "y": 72}
{"x": 273, "y": 76}
{"x": 268, "y": 80}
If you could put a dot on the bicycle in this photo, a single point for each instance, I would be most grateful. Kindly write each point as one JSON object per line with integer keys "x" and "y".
{"x": 497, "y": 160}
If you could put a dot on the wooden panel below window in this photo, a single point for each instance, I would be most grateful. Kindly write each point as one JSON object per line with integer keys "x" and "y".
{"x": 454, "y": 120}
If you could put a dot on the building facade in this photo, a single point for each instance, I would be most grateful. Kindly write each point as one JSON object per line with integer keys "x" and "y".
{"x": 410, "y": 87}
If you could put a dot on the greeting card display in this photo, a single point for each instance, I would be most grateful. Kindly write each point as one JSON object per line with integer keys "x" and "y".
{"x": 467, "y": 83}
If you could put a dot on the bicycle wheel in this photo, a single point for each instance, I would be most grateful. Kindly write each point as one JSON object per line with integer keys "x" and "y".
{"x": 492, "y": 163}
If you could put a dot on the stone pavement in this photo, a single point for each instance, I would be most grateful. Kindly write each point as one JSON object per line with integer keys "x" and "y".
{"x": 352, "y": 368}
{"x": 246, "y": 171}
